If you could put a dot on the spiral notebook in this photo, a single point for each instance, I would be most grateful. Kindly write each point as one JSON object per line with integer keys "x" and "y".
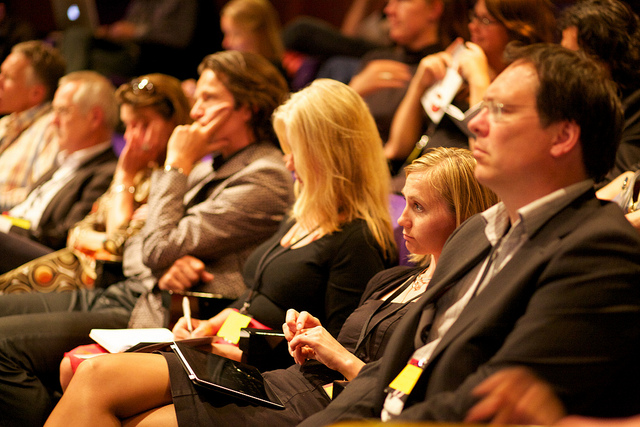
{"x": 225, "y": 375}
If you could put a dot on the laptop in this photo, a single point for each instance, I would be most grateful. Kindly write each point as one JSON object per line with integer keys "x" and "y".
{"x": 225, "y": 375}
{"x": 75, "y": 13}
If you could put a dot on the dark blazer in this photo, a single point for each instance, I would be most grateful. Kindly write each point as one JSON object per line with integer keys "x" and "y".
{"x": 74, "y": 201}
{"x": 567, "y": 305}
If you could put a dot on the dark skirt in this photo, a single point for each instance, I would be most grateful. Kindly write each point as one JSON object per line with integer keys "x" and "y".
{"x": 299, "y": 389}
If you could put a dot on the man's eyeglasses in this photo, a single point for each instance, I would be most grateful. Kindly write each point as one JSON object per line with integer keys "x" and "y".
{"x": 142, "y": 86}
{"x": 480, "y": 19}
{"x": 496, "y": 109}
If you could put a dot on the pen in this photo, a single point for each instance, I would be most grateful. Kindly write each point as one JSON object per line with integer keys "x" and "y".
{"x": 186, "y": 311}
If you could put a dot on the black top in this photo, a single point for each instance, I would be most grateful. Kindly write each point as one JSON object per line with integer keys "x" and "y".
{"x": 299, "y": 387}
{"x": 326, "y": 277}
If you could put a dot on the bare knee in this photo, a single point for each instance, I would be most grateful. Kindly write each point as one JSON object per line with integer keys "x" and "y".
{"x": 66, "y": 373}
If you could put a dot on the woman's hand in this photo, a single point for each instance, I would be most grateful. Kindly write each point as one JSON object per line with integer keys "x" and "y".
{"x": 317, "y": 343}
{"x": 380, "y": 74}
{"x": 190, "y": 143}
{"x": 309, "y": 340}
{"x": 202, "y": 328}
{"x": 474, "y": 69}
{"x": 143, "y": 146}
{"x": 295, "y": 322}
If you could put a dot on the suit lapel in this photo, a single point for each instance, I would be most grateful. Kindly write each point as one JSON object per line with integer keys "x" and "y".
{"x": 456, "y": 259}
{"x": 207, "y": 177}
{"x": 517, "y": 272}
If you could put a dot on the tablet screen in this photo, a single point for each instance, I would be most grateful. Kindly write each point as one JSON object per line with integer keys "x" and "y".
{"x": 225, "y": 375}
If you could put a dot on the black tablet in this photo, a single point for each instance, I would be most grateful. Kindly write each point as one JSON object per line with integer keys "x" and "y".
{"x": 225, "y": 375}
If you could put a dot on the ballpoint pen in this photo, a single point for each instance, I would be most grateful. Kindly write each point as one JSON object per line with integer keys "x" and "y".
{"x": 186, "y": 311}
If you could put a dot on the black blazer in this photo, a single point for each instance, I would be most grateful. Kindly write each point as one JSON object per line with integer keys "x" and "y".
{"x": 74, "y": 201}
{"x": 567, "y": 305}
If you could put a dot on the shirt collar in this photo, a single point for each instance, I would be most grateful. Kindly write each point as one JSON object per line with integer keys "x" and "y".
{"x": 534, "y": 215}
{"x": 81, "y": 156}
{"x": 30, "y": 114}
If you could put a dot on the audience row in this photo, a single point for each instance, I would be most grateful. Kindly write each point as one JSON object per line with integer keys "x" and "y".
{"x": 532, "y": 271}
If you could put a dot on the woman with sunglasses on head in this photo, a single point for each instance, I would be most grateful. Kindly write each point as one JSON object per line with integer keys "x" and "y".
{"x": 492, "y": 25}
{"x": 151, "y": 107}
{"x": 441, "y": 192}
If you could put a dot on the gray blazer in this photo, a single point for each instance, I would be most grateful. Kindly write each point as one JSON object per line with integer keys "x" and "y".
{"x": 567, "y": 305}
{"x": 216, "y": 216}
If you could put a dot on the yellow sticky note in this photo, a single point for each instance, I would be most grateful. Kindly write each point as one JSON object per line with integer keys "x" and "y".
{"x": 406, "y": 379}
{"x": 230, "y": 329}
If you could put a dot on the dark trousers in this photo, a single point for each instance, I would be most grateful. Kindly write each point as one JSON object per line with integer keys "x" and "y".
{"x": 35, "y": 331}
{"x": 16, "y": 250}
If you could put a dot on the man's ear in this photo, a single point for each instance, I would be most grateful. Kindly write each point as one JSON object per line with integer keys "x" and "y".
{"x": 96, "y": 117}
{"x": 37, "y": 93}
{"x": 437, "y": 9}
{"x": 567, "y": 137}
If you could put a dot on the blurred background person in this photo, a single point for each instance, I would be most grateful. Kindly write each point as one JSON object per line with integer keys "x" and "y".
{"x": 492, "y": 25}
{"x": 85, "y": 114}
{"x": 609, "y": 31}
{"x": 12, "y": 30}
{"x": 28, "y": 146}
{"x": 152, "y": 36}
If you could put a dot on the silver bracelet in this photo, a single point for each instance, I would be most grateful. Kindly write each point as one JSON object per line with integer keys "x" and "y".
{"x": 169, "y": 168}
{"x": 121, "y": 188}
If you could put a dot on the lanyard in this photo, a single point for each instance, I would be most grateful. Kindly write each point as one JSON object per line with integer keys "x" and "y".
{"x": 274, "y": 251}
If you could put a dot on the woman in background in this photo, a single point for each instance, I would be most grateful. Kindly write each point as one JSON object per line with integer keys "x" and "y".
{"x": 492, "y": 25}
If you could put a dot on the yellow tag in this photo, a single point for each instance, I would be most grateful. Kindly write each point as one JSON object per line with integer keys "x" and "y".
{"x": 19, "y": 222}
{"x": 406, "y": 379}
{"x": 328, "y": 388}
{"x": 230, "y": 329}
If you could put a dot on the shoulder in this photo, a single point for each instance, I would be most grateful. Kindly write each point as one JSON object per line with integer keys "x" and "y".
{"x": 103, "y": 163}
{"x": 258, "y": 157}
{"x": 354, "y": 233}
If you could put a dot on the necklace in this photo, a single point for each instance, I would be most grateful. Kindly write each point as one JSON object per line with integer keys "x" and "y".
{"x": 421, "y": 281}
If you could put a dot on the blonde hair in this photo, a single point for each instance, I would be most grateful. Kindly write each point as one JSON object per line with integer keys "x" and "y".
{"x": 261, "y": 19}
{"x": 339, "y": 160}
{"x": 94, "y": 90}
{"x": 450, "y": 172}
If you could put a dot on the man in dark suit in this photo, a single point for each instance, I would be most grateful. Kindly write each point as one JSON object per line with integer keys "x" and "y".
{"x": 547, "y": 279}
{"x": 85, "y": 115}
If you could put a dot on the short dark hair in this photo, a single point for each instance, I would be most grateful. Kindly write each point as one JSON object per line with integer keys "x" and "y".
{"x": 47, "y": 62}
{"x": 573, "y": 87}
{"x": 610, "y": 31}
{"x": 254, "y": 82}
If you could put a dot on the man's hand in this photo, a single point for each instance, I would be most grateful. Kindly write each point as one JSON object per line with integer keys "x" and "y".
{"x": 183, "y": 274}
{"x": 190, "y": 143}
{"x": 515, "y": 396}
